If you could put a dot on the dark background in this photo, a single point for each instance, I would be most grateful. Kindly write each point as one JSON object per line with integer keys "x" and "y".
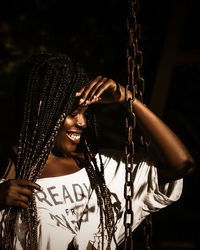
{"x": 94, "y": 33}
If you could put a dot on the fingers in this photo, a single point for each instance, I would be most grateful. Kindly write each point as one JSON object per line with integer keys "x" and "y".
{"x": 20, "y": 204}
{"x": 91, "y": 83}
{"x": 17, "y": 193}
{"x": 30, "y": 184}
{"x": 87, "y": 93}
{"x": 21, "y": 201}
{"x": 95, "y": 93}
{"x": 100, "y": 89}
{"x": 17, "y": 198}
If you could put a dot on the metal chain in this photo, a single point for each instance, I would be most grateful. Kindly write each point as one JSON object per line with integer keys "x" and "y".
{"x": 135, "y": 84}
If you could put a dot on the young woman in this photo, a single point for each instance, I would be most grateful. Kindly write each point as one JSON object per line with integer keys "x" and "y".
{"x": 58, "y": 191}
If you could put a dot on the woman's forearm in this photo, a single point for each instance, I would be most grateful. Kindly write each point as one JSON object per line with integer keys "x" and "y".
{"x": 168, "y": 146}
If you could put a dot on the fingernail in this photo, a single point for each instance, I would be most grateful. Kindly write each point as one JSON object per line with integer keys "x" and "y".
{"x": 41, "y": 189}
{"x": 77, "y": 94}
{"x": 81, "y": 101}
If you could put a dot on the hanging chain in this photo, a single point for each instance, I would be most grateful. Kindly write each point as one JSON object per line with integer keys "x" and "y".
{"x": 135, "y": 84}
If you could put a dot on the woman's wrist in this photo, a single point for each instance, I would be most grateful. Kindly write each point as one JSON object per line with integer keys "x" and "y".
{"x": 123, "y": 97}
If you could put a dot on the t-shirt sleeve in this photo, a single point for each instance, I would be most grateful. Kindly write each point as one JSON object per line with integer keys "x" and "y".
{"x": 159, "y": 196}
{"x": 148, "y": 195}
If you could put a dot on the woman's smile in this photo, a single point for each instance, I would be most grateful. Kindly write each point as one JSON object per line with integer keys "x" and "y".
{"x": 70, "y": 134}
{"x": 74, "y": 136}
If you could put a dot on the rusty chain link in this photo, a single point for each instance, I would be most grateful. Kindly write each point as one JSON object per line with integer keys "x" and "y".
{"x": 135, "y": 83}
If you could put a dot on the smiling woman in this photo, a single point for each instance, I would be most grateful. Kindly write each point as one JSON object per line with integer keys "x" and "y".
{"x": 71, "y": 130}
{"x": 58, "y": 191}
{"x": 64, "y": 151}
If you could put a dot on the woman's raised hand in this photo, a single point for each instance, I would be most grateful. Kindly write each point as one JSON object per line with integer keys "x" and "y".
{"x": 102, "y": 90}
{"x": 17, "y": 193}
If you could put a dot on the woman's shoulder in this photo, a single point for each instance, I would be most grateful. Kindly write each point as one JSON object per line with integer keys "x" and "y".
{"x": 119, "y": 156}
{"x": 7, "y": 164}
{"x": 110, "y": 153}
{"x": 10, "y": 172}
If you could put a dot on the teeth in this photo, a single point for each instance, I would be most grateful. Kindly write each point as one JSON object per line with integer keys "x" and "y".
{"x": 74, "y": 136}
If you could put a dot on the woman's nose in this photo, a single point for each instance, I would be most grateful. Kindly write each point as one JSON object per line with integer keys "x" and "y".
{"x": 81, "y": 121}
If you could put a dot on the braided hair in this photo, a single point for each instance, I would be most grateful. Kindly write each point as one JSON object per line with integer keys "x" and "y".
{"x": 51, "y": 81}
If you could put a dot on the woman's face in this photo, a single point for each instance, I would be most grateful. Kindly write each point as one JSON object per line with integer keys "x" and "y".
{"x": 69, "y": 136}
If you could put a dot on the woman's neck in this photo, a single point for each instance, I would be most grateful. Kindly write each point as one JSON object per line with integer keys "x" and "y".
{"x": 62, "y": 165}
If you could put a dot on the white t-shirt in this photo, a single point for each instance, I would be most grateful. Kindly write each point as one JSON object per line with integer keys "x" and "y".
{"x": 68, "y": 210}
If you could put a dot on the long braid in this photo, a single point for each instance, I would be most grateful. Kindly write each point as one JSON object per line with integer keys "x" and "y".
{"x": 96, "y": 176}
{"x": 105, "y": 191}
{"x": 51, "y": 83}
{"x": 39, "y": 130}
{"x": 94, "y": 180}
{"x": 103, "y": 197}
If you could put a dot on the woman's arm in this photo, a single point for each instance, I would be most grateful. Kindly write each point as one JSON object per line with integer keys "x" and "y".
{"x": 17, "y": 193}
{"x": 169, "y": 149}
{"x": 171, "y": 152}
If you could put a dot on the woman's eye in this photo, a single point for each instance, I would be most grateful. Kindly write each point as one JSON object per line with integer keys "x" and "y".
{"x": 73, "y": 114}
